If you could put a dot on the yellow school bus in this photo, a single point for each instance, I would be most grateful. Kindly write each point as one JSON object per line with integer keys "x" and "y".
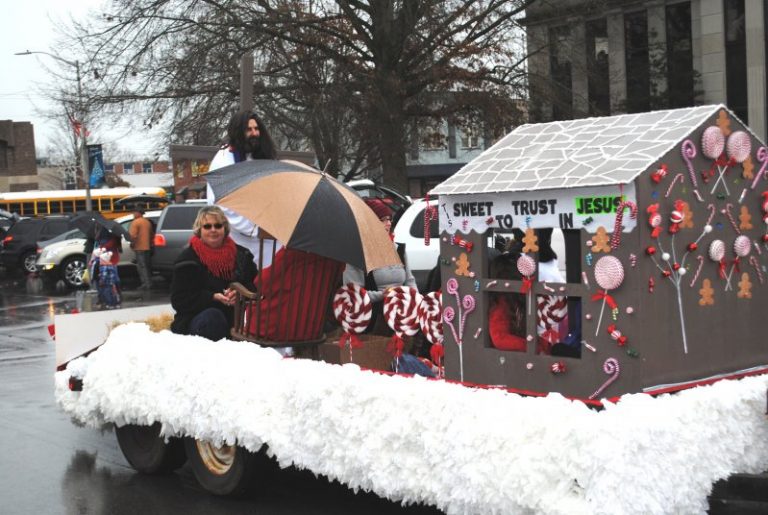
{"x": 54, "y": 202}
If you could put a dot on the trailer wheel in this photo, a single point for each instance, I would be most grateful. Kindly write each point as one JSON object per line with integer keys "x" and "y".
{"x": 146, "y": 450}
{"x": 228, "y": 470}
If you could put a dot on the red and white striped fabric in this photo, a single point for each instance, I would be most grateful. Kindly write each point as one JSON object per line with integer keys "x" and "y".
{"x": 551, "y": 311}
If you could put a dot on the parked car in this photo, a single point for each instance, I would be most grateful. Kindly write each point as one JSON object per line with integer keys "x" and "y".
{"x": 174, "y": 228}
{"x": 65, "y": 259}
{"x": 20, "y": 244}
{"x": 6, "y": 222}
{"x": 367, "y": 188}
{"x": 409, "y": 230}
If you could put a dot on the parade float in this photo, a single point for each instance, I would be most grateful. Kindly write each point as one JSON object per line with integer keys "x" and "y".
{"x": 660, "y": 394}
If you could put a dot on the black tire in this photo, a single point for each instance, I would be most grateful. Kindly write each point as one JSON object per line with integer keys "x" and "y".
{"x": 27, "y": 262}
{"x": 146, "y": 450}
{"x": 227, "y": 470}
{"x": 72, "y": 270}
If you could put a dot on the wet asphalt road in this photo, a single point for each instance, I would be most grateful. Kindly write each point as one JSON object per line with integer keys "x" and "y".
{"x": 50, "y": 466}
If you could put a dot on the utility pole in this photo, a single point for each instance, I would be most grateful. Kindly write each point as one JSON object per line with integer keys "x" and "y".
{"x": 81, "y": 115}
{"x": 246, "y": 81}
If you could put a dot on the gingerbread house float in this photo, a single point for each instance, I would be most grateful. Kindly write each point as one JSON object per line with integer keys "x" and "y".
{"x": 662, "y": 216}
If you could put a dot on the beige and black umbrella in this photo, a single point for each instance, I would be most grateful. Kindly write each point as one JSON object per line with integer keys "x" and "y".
{"x": 305, "y": 209}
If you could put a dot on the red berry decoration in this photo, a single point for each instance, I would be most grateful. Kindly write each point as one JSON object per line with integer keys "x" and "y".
{"x": 692, "y": 247}
{"x": 676, "y": 266}
{"x": 650, "y": 251}
{"x": 666, "y": 273}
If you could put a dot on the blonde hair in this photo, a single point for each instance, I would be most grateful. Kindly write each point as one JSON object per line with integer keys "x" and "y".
{"x": 213, "y": 211}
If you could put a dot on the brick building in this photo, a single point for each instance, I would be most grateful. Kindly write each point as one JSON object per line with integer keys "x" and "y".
{"x": 18, "y": 166}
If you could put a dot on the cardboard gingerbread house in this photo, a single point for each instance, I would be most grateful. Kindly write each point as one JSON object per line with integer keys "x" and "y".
{"x": 662, "y": 285}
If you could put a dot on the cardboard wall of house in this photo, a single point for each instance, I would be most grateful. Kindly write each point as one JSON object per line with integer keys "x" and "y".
{"x": 702, "y": 319}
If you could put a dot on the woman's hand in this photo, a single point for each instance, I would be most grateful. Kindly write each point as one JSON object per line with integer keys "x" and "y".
{"x": 227, "y": 297}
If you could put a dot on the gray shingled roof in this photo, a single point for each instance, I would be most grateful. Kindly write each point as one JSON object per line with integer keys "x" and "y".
{"x": 575, "y": 153}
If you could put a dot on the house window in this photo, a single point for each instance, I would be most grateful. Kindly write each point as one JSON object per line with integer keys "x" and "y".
{"x": 638, "y": 66}
{"x": 433, "y": 138}
{"x": 680, "y": 80}
{"x": 597, "y": 68}
{"x": 147, "y": 167}
{"x": 470, "y": 137}
{"x": 560, "y": 71}
{"x": 736, "y": 58}
{"x": 127, "y": 167}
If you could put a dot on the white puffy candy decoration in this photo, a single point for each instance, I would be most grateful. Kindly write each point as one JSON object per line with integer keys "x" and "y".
{"x": 712, "y": 142}
{"x": 716, "y": 250}
{"x": 401, "y": 310}
{"x": 352, "y": 308}
{"x": 739, "y": 146}
{"x": 742, "y": 245}
{"x": 430, "y": 315}
{"x": 609, "y": 272}
{"x": 526, "y": 265}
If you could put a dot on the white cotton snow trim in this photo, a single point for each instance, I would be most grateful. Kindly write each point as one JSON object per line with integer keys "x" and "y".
{"x": 419, "y": 441}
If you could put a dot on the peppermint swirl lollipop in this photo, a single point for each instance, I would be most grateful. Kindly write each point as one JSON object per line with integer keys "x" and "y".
{"x": 401, "y": 310}
{"x": 716, "y": 250}
{"x": 712, "y": 142}
{"x": 526, "y": 265}
{"x": 609, "y": 272}
{"x": 742, "y": 245}
{"x": 352, "y": 308}
{"x": 430, "y": 317}
{"x": 739, "y": 146}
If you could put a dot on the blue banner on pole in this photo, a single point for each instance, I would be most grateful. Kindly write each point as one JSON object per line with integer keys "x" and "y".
{"x": 96, "y": 166}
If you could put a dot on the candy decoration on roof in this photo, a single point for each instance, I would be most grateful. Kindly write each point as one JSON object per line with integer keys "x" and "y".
{"x": 659, "y": 174}
{"x": 617, "y": 227}
{"x": 609, "y": 274}
{"x": 352, "y": 308}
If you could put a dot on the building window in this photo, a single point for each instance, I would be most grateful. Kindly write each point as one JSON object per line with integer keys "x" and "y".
{"x": 597, "y": 68}
{"x": 3, "y": 155}
{"x": 433, "y": 137}
{"x": 680, "y": 79}
{"x": 147, "y": 167}
{"x": 735, "y": 58}
{"x": 127, "y": 167}
{"x": 470, "y": 137}
{"x": 560, "y": 71}
{"x": 638, "y": 66}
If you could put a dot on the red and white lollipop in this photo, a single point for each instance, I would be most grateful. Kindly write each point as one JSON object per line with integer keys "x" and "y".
{"x": 527, "y": 267}
{"x": 716, "y": 253}
{"x": 401, "y": 313}
{"x": 430, "y": 314}
{"x": 352, "y": 308}
{"x": 712, "y": 142}
{"x": 739, "y": 146}
{"x": 609, "y": 274}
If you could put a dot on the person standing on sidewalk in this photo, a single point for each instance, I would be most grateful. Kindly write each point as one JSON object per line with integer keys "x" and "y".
{"x": 141, "y": 236}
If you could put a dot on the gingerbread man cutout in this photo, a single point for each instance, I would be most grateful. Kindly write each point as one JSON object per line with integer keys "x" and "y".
{"x": 745, "y": 287}
{"x": 600, "y": 241}
{"x": 724, "y": 123}
{"x": 749, "y": 168}
{"x": 687, "y": 222}
{"x": 706, "y": 292}
{"x": 462, "y": 265}
{"x": 745, "y": 219}
{"x": 531, "y": 241}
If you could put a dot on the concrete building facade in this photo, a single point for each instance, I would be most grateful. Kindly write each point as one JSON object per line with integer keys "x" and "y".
{"x": 18, "y": 166}
{"x": 605, "y": 57}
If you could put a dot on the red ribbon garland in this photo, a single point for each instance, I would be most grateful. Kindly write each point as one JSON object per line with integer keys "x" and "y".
{"x": 721, "y": 268}
{"x": 608, "y": 299}
{"x": 395, "y": 346}
{"x": 527, "y": 285}
{"x": 736, "y": 265}
{"x": 354, "y": 341}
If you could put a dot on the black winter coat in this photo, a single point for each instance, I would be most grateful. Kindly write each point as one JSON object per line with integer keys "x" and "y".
{"x": 193, "y": 287}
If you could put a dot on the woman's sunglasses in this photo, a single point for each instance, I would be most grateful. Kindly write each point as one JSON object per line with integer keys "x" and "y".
{"x": 208, "y": 227}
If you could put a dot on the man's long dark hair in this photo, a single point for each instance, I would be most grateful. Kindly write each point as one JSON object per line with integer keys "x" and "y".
{"x": 236, "y": 132}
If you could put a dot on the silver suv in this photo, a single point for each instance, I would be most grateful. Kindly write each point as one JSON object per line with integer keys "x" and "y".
{"x": 66, "y": 259}
{"x": 174, "y": 228}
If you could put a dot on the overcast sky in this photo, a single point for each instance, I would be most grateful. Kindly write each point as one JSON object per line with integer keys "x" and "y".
{"x": 29, "y": 25}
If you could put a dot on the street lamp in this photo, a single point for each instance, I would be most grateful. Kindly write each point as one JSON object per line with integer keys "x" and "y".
{"x": 81, "y": 109}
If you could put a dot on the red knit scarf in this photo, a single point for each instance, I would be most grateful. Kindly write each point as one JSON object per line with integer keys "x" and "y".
{"x": 220, "y": 262}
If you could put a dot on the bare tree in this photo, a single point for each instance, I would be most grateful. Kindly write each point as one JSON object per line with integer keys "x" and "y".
{"x": 348, "y": 76}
